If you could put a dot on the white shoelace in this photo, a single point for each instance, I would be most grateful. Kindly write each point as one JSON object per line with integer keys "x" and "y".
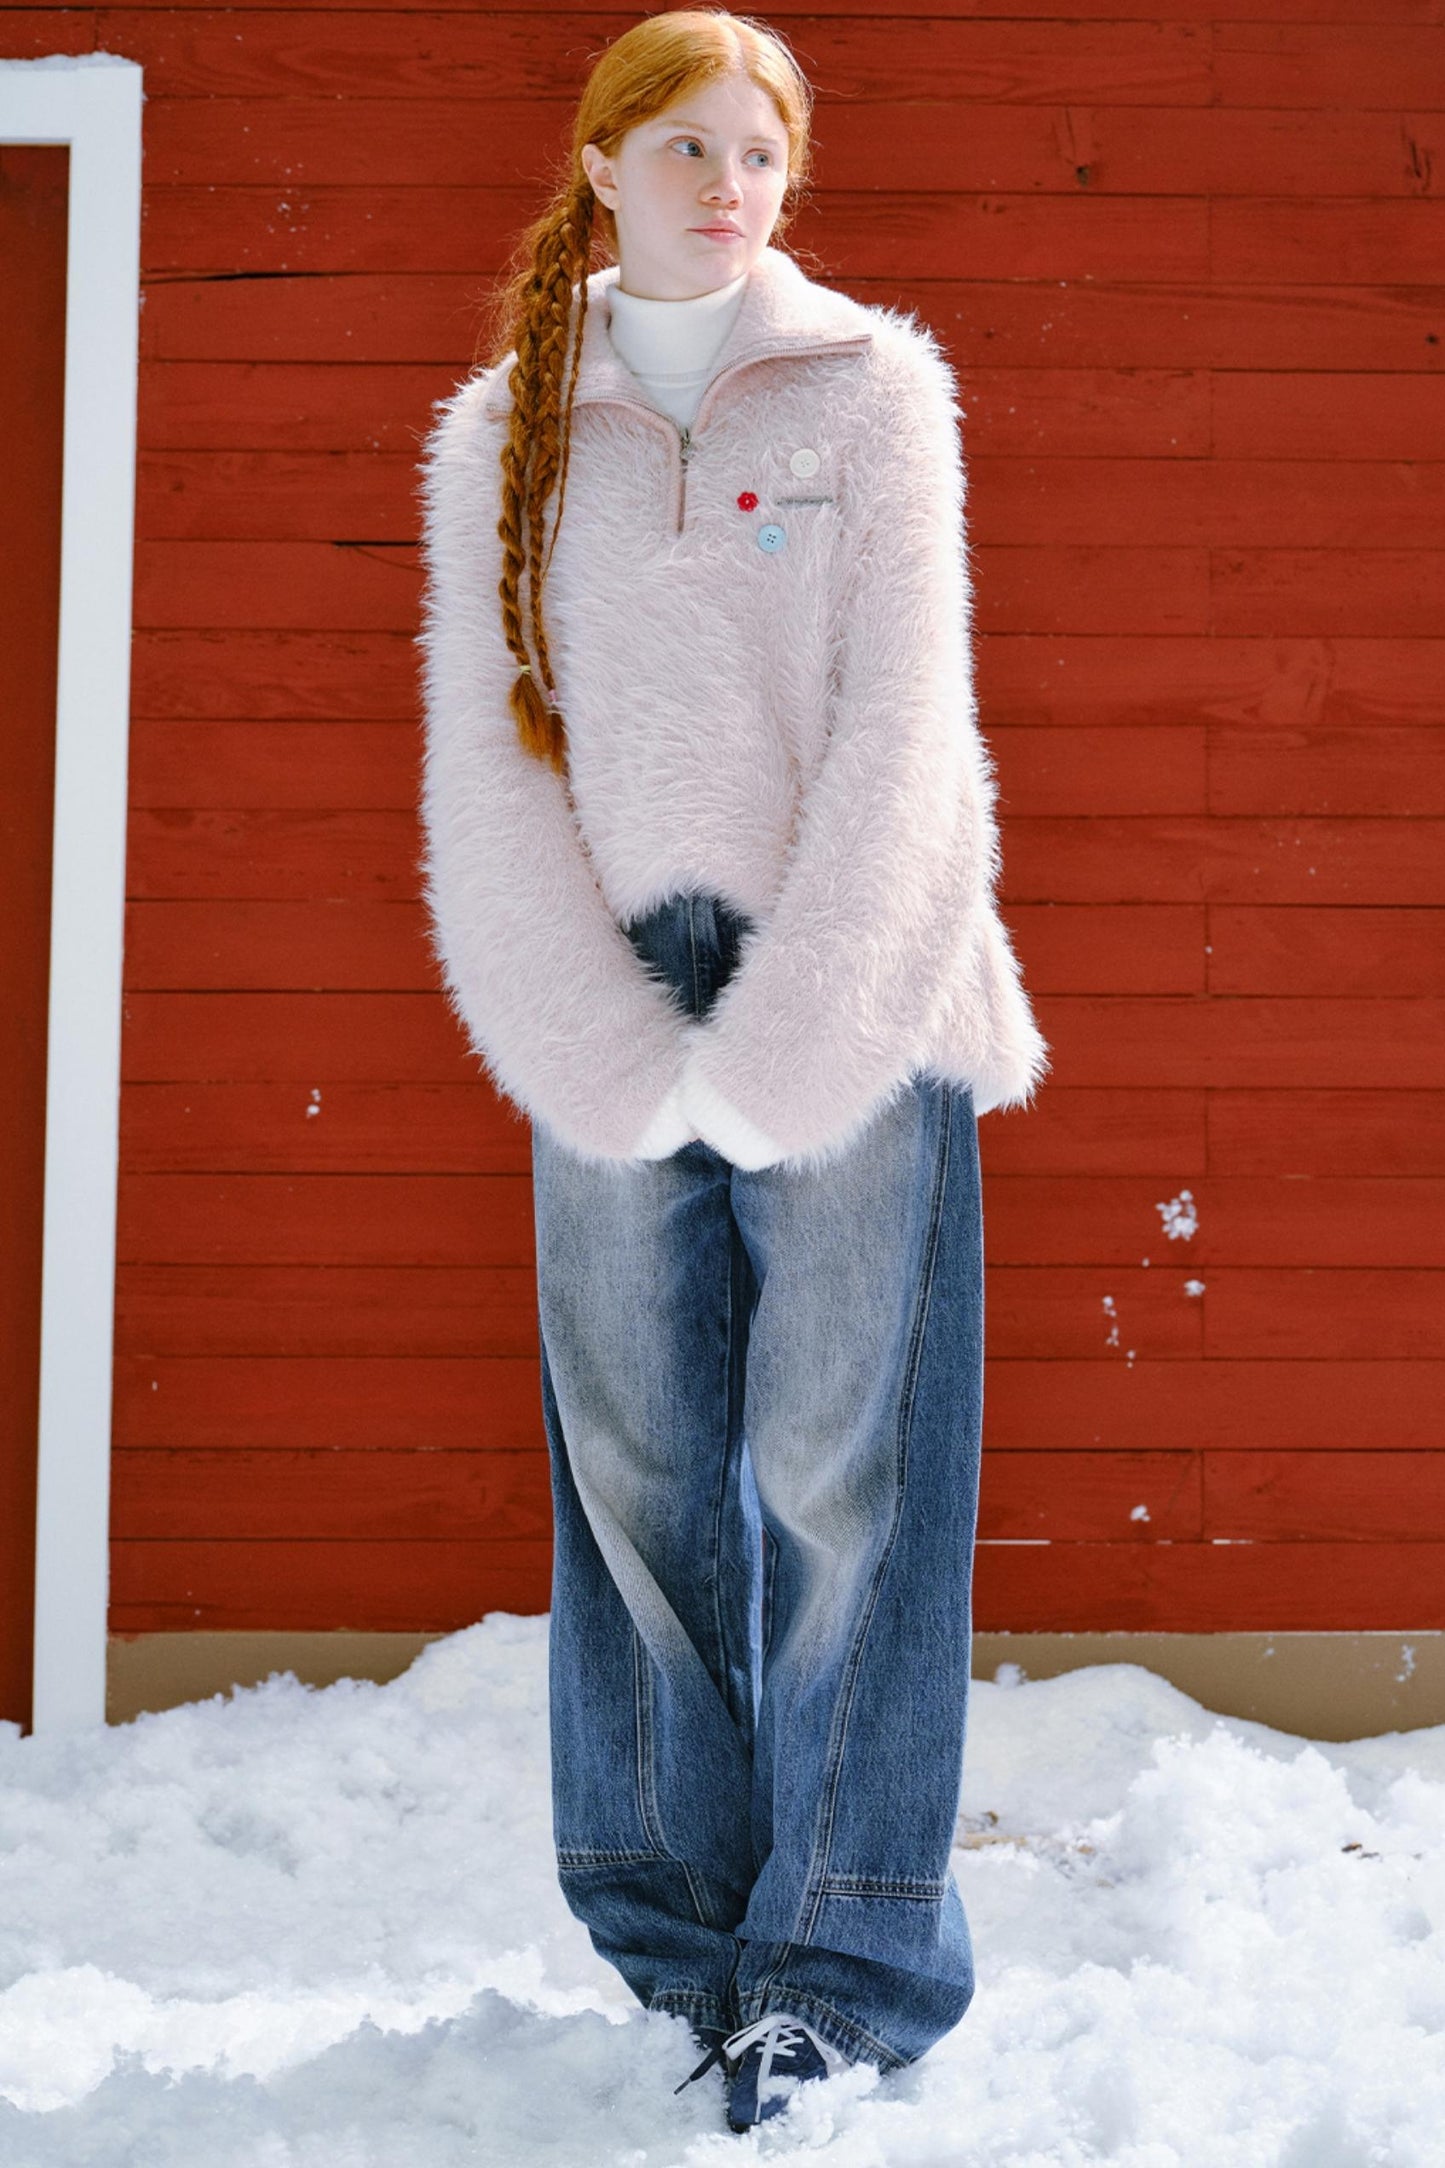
{"x": 780, "y": 2032}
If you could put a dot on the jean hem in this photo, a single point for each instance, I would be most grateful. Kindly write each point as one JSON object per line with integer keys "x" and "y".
{"x": 695, "y": 2004}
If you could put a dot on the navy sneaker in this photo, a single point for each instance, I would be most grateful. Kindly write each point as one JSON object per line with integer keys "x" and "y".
{"x": 766, "y": 2062}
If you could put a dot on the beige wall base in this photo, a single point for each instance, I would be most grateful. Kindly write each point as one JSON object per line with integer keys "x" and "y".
{"x": 160, "y": 1671}
{"x": 1322, "y": 1686}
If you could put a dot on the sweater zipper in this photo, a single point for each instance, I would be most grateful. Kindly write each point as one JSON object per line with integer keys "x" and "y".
{"x": 684, "y": 453}
{"x": 683, "y": 437}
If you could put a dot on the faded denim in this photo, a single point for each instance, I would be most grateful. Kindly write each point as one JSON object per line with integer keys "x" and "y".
{"x": 763, "y": 1403}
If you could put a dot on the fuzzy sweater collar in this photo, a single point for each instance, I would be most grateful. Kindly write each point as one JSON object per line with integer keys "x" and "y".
{"x": 783, "y": 311}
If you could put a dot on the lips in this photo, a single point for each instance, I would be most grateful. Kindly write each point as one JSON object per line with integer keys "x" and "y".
{"x": 734, "y": 233}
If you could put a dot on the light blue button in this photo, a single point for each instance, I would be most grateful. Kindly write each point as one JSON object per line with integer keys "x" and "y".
{"x": 772, "y": 538}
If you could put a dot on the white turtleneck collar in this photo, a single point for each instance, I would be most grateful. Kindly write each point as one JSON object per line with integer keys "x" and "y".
{"x": 670, "y": 346}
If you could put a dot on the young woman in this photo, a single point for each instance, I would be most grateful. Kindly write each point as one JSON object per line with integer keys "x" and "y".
{"x": 710, "y": 862}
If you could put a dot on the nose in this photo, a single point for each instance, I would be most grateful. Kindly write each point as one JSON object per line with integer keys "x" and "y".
{"x": 725, "y": 188}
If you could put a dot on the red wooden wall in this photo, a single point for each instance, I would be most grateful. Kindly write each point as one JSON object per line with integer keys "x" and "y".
{"x": 1191, "y": 273}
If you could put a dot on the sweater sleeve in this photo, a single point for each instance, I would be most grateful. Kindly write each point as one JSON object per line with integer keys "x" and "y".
{"x": 895, "y": 850}
{"x": 569, "y": 1021}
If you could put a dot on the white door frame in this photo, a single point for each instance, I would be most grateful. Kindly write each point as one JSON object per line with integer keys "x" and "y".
{"x": 93, "y": 103}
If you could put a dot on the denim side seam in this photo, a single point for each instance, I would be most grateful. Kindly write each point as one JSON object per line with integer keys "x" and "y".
{"x": 769, "y": 1598}
{"x": 647, "y": 1772}
{"x": 812, "y": 1901}
{"x": 714, "y": 1564}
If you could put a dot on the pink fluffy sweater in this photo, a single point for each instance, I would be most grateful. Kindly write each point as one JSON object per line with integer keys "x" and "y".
{"x": 760, "y": 630}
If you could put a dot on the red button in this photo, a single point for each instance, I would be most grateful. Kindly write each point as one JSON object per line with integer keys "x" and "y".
{"x": 748, "y": 501}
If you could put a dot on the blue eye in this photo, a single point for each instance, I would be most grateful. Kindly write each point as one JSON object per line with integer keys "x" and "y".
{"x": 691, "y": 143}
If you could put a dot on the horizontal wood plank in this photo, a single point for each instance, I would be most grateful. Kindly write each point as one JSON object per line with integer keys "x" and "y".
{"x": 1214, "y": 1406}
{"x": 344, "y": 1495}
{"x": 384, "y": 1037}
{"x": 1342, "y": 1312}
{"x": 1230, "y": 1585}
{"x": 1327, "y": 415}
{"x": 273, "y": 854}
{"x": 348, "y": 1129}
{"x": 245, "y": 1494}
{"x": 1101, "y": 681}
{"x": 1355, "y": 769}
{"x": 279, "y": 947}
{"x": 298, "y": 1586}
{"x": 1284, "y": 684}
{"x": 263, "y": 765}
{"x": 1313, "y": 64}
{"x": 364, "y": 585}
{"x": 1073, "y": 769}
{"x": 317, "y": 854}
{"x": 1136, "y": 1128}
{"x": 350, "y": 1311}
{"x": 1036, "y": 332}
{"x": 466, "y": 1128}
{"x": 871, "y": 143}
{"x": 1255, "y": 502}
{"x": 1035, "y": 1312}
{"x": 1365, "y": 1131}
{"x": 921, "y": 234}
{"x": 1300, "y": 952}
{"x": 1409, "y": 12}
{"x": 411, "y": 1404}
{"x": 205, "y": 675}
{"x": 1380, "y": 592}
{"x": 1286, "y": 1043}
{"x": 1371, "y": 241}
{"x": 325, "y": 1219}
{"x": 1225, "y": 860}
{"x": 1233, "y": 1312}
{"x": 1019, "y": 1585}
{"x": 344, "y": 407}
{"x": 1374, "y": 1497}
{"x": 1055, "y": 1220}
{"x": 315, "y": 1039}
{"x": 1034, "y": 495}
{"x": 533, "y": 54}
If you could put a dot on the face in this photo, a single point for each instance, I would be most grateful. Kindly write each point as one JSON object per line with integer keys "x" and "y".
{"x": 695, "y": 191}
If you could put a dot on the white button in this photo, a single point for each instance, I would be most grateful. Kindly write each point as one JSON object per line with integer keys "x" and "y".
{"x": 805, "y": 463}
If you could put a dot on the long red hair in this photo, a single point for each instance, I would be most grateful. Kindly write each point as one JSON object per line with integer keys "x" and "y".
{"x": 659, "y": 61}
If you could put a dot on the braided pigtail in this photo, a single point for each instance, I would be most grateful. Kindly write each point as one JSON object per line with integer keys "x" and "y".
{"x": 534, "y": 462}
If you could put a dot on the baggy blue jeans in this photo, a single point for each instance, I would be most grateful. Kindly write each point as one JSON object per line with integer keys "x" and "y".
{"x": 763, "y": 1397}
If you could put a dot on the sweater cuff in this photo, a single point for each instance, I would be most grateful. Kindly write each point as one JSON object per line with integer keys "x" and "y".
{"x": 722, "y": 1125}
{"x": 668, "y": 1130}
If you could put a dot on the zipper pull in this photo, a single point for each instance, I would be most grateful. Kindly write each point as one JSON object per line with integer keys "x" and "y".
{"x": 686, "y": 445}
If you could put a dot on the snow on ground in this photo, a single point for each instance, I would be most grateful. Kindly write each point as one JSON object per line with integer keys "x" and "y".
{"x": 320, "y": 1929}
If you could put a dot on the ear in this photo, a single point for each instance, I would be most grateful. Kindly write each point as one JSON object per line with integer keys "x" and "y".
{"x": 599, "y": 172}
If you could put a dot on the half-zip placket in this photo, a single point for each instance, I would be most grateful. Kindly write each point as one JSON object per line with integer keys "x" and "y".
{"x": 683, "y": 437}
